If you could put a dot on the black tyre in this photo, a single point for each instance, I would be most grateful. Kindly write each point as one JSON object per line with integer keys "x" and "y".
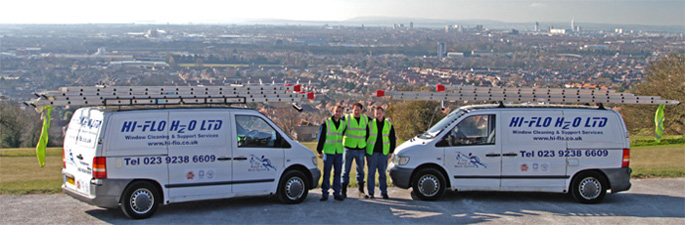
{"x": 428, "y": 184}
{"x": 140, "y": 200}
{"x": 589, "y": 187}
{"x": 293, "y": 187}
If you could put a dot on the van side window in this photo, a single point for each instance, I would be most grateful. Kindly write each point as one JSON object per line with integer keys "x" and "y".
{"x": 474, "y": 130}
{"x": 253, "y": 131}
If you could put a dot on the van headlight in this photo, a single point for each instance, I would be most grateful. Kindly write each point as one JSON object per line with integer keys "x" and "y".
{"x": 400, "y": 160}
{"x": 315, "y": 161}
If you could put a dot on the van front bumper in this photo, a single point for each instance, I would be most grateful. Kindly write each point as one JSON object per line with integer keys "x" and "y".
{"x": 316, "y": 175}
{"x": 104, "y": 193}
{"x": 619, "y": 179}
{"x": 400, "y": 176}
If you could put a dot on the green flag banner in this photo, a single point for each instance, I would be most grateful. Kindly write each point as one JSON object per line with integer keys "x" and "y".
{"x": 43, "y": 141}
{"x": 659, "y": 122}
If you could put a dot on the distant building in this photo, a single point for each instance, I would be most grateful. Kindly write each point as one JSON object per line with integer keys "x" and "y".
{"x": 482, "y": 53}
{"x": 442, "y": 50}
{"x": 411, "y": 25}
{"x": 307, "y": 132}
{"x": 558, "y": 31}
{"x": 573, "y": 24}
{"x": 537, "y": 27}
{"x": 595, "y": 47}
{"x": 139, "y": 64}
{"x": 455, "y": 55}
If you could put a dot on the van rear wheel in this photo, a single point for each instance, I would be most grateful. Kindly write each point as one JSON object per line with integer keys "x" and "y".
{"x": 293, "y": 187}
{"x": 589, "y": 187}
{"x": 429, "y": 184}
{"x": 140, "y": 200}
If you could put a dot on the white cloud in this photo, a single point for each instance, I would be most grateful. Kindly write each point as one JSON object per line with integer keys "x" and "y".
{"x": 536, "y": 4}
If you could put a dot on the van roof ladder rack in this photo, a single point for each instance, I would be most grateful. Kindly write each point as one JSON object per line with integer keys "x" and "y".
{"x": 541, "y": 95}
{"x": 168, "y": 95}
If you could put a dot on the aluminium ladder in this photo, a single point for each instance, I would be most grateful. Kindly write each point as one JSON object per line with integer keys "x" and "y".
{"x": 541, "y": 95}
{"x": 168, "y": 95}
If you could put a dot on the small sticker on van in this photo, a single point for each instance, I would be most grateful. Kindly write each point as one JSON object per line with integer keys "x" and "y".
{"x": 470, "y": 160}
{"x": 260, "y": 164}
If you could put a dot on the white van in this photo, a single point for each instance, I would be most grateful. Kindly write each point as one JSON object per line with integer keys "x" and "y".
{"x": 137, "y": 159}
{"x": 579, "y": 150}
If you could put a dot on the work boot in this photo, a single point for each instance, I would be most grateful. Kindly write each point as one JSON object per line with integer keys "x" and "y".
{"x": 368, "y": 196}
{"x": 339, "y": 198}
{"x": 361, "y": 188}
{"x": 344, "y": 190}
{"x": 385, "y": 196}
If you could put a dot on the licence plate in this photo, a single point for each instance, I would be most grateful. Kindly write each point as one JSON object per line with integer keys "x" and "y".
{"x": 70, "y": 180}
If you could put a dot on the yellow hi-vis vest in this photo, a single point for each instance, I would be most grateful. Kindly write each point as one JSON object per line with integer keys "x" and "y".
{"x": 334, "y": 138}
{"x": 355, "y": 135}
{"x": 370, "y": 144}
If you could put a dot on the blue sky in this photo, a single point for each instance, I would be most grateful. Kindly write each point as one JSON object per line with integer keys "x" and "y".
{"x": 643, "y": 12}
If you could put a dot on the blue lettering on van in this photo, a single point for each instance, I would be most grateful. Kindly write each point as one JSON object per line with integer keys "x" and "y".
{"x": 90, "y": 123}
{"x": 175, "y": 126}
{"x": 191, "y": 125}
{"x": 177, "y": 159}
{"x": 560, "y": 122}
{"x": 148, "y": 125}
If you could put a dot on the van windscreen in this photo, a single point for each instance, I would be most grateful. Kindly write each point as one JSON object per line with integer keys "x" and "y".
{"x": 441, "y": 125}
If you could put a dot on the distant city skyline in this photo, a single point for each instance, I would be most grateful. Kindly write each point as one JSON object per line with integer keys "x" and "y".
{"x": 628, "y": 12}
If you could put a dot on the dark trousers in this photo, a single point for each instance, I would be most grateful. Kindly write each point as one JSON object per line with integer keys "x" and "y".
{"x": 335, "y": 161}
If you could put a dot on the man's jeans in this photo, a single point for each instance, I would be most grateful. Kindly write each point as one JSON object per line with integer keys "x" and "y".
{"x": 335, "y": 161}
{"x": 358, "y": 156}
{"x": 380, "y": 162}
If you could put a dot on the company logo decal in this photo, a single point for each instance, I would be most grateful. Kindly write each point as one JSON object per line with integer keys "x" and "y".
{"x": 559, "y": 122}
{"x": 205, "y": 174}
{"x": 534, "y": 167}
{"x": 260, "y": 164}
{"x": 71, "y": 157}
{"x": 176, "y": 126}
{"x": 468, "y": 161}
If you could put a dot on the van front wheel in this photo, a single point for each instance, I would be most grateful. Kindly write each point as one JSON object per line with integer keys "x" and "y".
{"x": 140, "y": 200}
{"x": 429, "y": 184}
{"x": 292, "y": 187}
{"x": 589, "y": 187}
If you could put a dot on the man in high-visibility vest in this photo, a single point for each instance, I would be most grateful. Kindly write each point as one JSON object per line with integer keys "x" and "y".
{"x": 380, "y": 144}
{"x": 354, "y": 140}
{"x": 330, "y": 149}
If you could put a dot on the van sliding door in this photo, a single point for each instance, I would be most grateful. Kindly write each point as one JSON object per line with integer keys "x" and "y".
{"x": 199, "y": 155}
{"x": 531, "y": 155}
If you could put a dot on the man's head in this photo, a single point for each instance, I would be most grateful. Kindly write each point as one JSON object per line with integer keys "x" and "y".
{"x": 378, "y": 112}
{"x": 357, "y": 109}
{"x": 337, "y": 111}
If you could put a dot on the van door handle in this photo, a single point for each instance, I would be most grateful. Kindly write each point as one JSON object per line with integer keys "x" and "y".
{"x": 492, "y": 155}
{"x": 224, "y": 158}
{"x": 79, "y": 156}
{"x": 240, "y": 158}
{"x": 511, "y": 154}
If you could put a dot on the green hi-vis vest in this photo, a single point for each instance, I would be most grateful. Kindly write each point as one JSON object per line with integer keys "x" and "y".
{"x": 373, "y": 136}
{"x": 355, "y": 135}
{"x": 334, "y": 138}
